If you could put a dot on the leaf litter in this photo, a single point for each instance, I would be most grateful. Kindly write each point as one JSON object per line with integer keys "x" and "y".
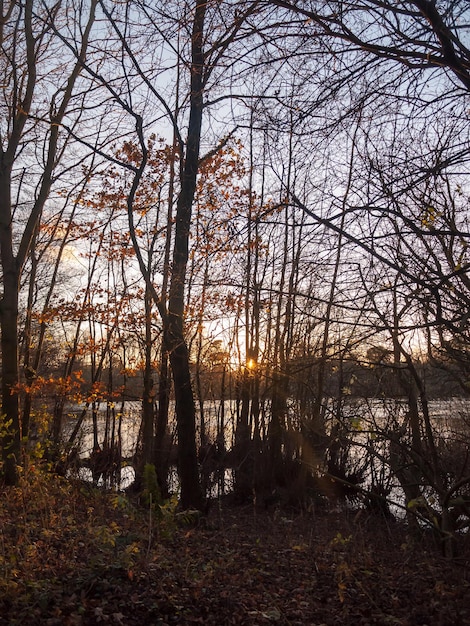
{"x": 75, "y": 556}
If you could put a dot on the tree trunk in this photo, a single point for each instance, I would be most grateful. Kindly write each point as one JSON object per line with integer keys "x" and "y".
{"x": 11, "y": 430}
{"x": 28, "y": 368}
{"x": 243, "y": 454}
{"x": 191, "y": 493}
{"x": 148, "y": 403}
{"x": 24, "y": 77}
{"x": 162, "y": 439}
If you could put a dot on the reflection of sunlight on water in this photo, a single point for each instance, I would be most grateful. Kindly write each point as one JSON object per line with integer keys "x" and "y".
{"x": 369, "y": 420}
{"x": 127, "y": 477}
{"x": 371, "y": 423}
{"x": 130, "y": 413}
{"x": 131, "y": 417}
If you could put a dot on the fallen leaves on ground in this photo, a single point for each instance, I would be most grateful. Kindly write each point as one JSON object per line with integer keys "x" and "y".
{"x": 74, "y": 556}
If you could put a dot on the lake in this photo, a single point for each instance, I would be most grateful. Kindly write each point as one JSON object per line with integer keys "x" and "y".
{"x": 366, "y": 419}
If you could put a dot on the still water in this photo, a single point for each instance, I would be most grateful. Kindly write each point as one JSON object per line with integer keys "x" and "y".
{"x": 368, "y": 418}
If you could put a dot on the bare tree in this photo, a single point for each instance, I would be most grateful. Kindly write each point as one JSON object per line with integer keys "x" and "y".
{"x": 27, "y": 49}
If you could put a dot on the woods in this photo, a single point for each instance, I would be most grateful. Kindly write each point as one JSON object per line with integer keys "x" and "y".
{"x": 235, "y": 234}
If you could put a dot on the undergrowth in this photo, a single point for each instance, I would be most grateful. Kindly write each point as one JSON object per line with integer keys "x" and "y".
{"x": 57, "y": 534}
{"x": 74, "y": 555}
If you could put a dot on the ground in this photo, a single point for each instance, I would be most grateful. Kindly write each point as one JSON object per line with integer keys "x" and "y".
{"x": 72, "y": 555}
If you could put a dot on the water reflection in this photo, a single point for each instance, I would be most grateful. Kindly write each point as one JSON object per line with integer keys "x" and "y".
{"x": 368, "y": 424}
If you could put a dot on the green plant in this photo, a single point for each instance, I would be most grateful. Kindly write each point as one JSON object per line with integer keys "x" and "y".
{"x": 167, "y": 512}
{"x": 151, "y": 494}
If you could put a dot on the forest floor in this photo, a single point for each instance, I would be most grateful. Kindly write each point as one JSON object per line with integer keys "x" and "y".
{"x": 70, "y": 554}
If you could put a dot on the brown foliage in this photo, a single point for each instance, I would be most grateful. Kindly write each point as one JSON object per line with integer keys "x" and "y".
{"x": 71, "y": 554}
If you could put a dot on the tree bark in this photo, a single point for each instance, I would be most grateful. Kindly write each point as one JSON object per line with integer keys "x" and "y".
{"x": 148, "y": 402}
{"x": 191, "y": 493}
{"x": 25, "y": 85}
{"x": 11, "y": 431}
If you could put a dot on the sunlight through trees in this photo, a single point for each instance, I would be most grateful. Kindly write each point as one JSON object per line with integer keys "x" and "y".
{"x": 250, "y": 219}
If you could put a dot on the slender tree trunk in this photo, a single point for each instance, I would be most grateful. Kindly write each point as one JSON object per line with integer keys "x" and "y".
{"x": 11, "y": 431}
{"x": 203, "y": 438}
{"x": 221, "y": 435}
{"x": 148, "y": 402}
{"x": 24, "y": 77}
{"x": 28, "y": 368}
{"x": 243, "y": 458}
{"x": 191, "y": 493}
{"x": 162, "y": 439}
{"x": 162, "y": 446}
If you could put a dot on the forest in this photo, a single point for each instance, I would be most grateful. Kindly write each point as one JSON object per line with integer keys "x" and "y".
{"x": 234, "y": 277}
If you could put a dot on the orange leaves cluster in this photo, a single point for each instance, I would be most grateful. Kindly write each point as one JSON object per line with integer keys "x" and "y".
{"x": 72, "y": 388}
{"x": 99, "y": 392}
{"x": 69, "y": 387}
